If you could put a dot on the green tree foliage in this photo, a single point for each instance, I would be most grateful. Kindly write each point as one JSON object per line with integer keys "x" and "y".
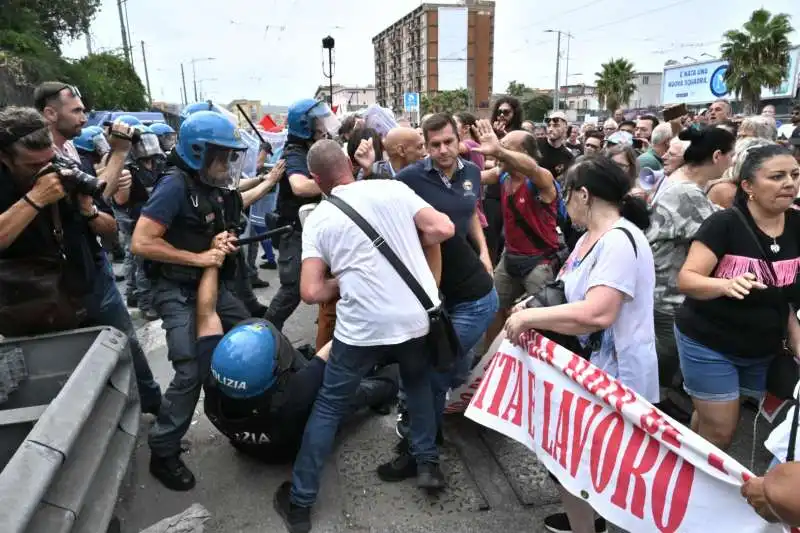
{"x": 107, "y": 81}
{"x": 31, "y": 32}
{"x": 535, "y": 105}
{"x": 615, "y": 83}
{"x": 757, "y": 57}
{"x": 445, "y": 102}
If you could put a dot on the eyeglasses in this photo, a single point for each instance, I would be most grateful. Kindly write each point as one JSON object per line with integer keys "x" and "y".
{"x": 505, "y": 111}
{"x": 553, "y": 121}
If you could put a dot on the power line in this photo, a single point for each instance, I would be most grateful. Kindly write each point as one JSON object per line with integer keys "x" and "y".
{"x": 573, "y": 10}
{"x": 634, "y": 16}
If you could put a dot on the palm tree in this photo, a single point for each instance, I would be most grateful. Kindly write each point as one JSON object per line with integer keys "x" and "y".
{"x": 757, "y": 57}
{"x": 615, "y": 83}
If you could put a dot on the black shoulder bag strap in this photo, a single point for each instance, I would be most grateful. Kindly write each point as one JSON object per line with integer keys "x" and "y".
{"x": 384, "y": 248}
{"x": 793, "y": 431}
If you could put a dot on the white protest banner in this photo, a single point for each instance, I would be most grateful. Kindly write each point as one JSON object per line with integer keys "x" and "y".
{"x": 637, "y": 467}
{"x": 459, "y": 398}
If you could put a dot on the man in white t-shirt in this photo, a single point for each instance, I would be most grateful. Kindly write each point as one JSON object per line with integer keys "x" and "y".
{"x": 378, "y": 318}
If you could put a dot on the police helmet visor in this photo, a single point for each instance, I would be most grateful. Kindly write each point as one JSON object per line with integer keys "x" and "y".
{"x": 168, "y": 141}
{"x": 147, "y": 147}
{"x": 101, "y": 146}
{"x": 325, "y": 123}
{"x": 222, "y": 166}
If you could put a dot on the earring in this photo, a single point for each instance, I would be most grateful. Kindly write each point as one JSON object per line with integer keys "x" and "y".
{"x": 750, "y": 197}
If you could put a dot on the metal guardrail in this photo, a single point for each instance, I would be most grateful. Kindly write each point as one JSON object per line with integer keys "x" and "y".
{"x": 66, "y": 474}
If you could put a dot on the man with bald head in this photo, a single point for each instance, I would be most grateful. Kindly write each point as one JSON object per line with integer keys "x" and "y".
{"x": 379, "y": 320}
{"x": 403, "y": 146}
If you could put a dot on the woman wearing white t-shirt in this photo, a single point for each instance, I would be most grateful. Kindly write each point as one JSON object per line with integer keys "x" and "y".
{"x": 608, "y": 280}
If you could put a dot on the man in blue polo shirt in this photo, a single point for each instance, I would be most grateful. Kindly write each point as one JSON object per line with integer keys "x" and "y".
{"x": 452, "y": 186}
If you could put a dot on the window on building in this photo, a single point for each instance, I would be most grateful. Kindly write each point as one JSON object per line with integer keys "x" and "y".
{"x": 585, "y": 103}
{"x": 645, "y": 80}
{"x": 572, "y": 104}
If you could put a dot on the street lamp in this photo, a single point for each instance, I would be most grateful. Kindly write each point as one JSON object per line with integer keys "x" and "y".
{"x": 707, "y": 54}
{"x": 690, "y": 58}
{"x": 328, "y": 44}
{"x": 194, "y": 61}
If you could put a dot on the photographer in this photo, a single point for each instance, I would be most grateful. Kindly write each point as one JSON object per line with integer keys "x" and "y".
{"x": 61, "y": 105}
{"x": 53, "y": 273}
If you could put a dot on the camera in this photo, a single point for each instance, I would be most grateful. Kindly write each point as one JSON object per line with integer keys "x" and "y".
{"x": 135, "y": 137}
{"x": 75, "y": 180}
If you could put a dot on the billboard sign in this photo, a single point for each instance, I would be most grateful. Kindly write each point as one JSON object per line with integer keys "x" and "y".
{"x": 702, "y": 83}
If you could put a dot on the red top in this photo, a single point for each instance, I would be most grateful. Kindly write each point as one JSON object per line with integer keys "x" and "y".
{"x": 540, "y": 217}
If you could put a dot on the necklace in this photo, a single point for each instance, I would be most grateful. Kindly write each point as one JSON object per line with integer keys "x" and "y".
{"x": 774, "y": 247}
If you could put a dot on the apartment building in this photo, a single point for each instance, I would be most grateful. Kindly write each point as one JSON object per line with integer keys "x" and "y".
{"x": 437, "y": 47}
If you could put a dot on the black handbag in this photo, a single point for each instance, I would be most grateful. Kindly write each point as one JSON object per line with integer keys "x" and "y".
{"x": 553, "y": 293}
{"x": 442, "y": 340}
{"x": 783, "y": 372}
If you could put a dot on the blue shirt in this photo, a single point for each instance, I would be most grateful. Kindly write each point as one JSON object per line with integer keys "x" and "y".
{"x": 456, "y": 197}
{"x": 168, "y": 201}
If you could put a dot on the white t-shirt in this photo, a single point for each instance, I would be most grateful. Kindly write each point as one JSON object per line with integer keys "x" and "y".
{"x": 628, "y": 350}
{"x": 778, "y": 441}
{"x": 376, "y": 307}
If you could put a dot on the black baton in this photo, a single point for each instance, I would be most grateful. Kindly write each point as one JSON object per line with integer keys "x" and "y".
{"x": 263, "y": 236}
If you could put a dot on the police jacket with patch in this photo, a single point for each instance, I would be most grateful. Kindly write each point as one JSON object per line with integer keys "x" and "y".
{"x": 270, "y": 427}
{"x": 294, "y": 153}
{"x": 207, "y": 212}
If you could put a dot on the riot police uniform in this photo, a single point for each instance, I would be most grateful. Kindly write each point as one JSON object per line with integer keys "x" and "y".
{"x": 308, "y": 120}
{"x": 192, "y": 211}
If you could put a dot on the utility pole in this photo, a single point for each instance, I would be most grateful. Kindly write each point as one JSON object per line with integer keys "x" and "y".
{"x": 566, "y": 68}
{"x": 128, "y": 29}
{"x": 124, "y": 33}
{"x": 146, "y": 75}
{"x": 557, "y": 96}
{"x": 194, "y": 81}
{"x": 185, "y": 94}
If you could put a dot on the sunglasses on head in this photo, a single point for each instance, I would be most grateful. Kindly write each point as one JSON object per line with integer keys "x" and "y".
{"x": 73, "y": 91}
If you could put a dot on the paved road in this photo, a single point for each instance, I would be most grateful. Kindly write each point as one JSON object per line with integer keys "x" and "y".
{"x": 494, "y": 484}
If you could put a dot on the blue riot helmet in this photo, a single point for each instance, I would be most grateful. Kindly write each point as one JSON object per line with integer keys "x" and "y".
{"x": 312, "y": 120}
{"x": 245, "y": 362}
{"x": 200, "y": 106}
{"x": 147, "y": 145}
{"x": 210, "y": 144}
{"x": 92, "y": 140}
{"x": 167, "y": 137}
{"x": 130, "y": 120}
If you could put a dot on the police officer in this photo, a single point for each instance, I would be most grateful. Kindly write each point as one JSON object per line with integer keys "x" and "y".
{"x": 144, "y": 163}
{"x": 185, "y": 227}
{"x": 262, "y": 389}
{"x": 166, "y": 136}
{"x": 308, "y": 121}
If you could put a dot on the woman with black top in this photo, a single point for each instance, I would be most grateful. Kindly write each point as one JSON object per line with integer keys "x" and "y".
{"x": 506, "y": 117}
{"x": 741, "y": 295}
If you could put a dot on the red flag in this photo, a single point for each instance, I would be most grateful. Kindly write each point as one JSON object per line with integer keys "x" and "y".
{"x": 335, "y": 109}
{"x": 267, "y": 123}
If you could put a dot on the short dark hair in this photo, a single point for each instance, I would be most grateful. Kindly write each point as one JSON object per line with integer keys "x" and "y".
{"x": 47, "y": 93}
{"x": 438, "y": 121}
{"x": 595, "y": 134}
{"x": 626, "y": 123}
{"x": 23, "y": 126}
{"x": 348, "y": 125}
{"x": 652, "y": 118}
{"x": 360, "y": 134}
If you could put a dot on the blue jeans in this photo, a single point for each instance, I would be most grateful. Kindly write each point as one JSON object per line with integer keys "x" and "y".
{"x": 105, "y": 307}
{"x": 137, "y": 283}
{"x": 470, "y": 321}
{"x": 346, "y": 368}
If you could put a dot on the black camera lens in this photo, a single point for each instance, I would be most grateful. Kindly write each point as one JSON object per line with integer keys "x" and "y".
{"x": 74, "y": 179}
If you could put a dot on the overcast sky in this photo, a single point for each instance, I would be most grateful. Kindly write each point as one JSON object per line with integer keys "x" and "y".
{"x": 271, "y": 49}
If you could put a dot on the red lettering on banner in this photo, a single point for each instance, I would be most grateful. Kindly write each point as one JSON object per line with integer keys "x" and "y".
{"x": 653, "y": 421}
{"x": 601, "y": 468}
{"x": 515, "y": 402}
{"x": 562, "y": 429}
{"x": 509, "y": 363}
{"x": 580, "y": 434}
{"x": 574, "y": 367}
{"x": 678, "y": 498}
{"x": 717, "y": 462}
{"x": 632, "y": 473}
{"x": 487, "y": 378}
{"x": 548, "y": 390}
{"x": 620, "y": 397}
{"x": 548, "y": 349}
{"x": 531, "y": 402}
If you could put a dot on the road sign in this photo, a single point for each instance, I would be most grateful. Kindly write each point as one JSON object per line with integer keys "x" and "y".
{"x": 411, "y": 101}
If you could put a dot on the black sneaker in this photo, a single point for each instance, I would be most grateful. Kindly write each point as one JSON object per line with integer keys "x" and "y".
{"x": 402, "y": 467}
{"x": 296, "y": 519}
{"x": 259, "y": 312}
{"x": 132, "y": 301}
{"x": 172, "y": 473}
{"x": 559, "y": 523}
{"x": 153, "y": 409}
{"x": 430, "y": 477}
{"x": 258, "y": 283}
{"x": 269, "y": 265}
{"x": 403, "y": 426}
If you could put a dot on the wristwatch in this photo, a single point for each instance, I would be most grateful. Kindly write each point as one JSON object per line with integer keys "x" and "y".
{"x": 92, "y": 214}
